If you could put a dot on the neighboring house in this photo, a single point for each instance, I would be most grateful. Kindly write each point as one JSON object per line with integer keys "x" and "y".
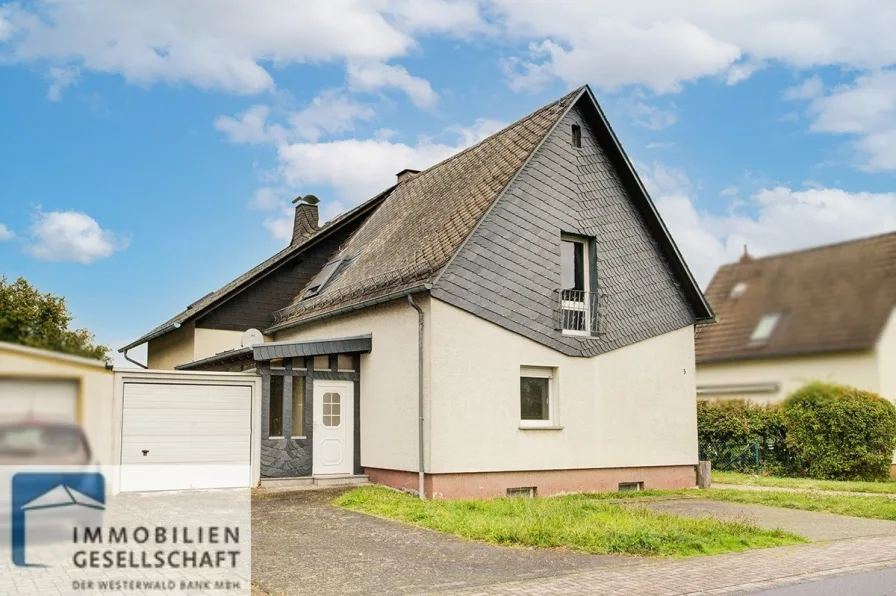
{"x": 822, "y": 314}
{"x": 56, "y": 387}
{"x": 524, "y": 291}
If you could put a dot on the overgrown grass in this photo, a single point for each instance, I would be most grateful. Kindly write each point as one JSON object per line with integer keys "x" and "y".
{"x": 877, "y": 507}
{"x": 583, "y": 522}
{"x": 804, "y": 483}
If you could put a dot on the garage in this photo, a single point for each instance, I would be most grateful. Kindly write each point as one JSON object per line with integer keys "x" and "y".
{"x": 184, "y": 431}
{"x": 41, "y": 399}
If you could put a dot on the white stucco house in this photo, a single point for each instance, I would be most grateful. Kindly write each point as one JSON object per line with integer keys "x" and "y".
{"x": 823, "y": 314}
{"x": 516, "y": 318}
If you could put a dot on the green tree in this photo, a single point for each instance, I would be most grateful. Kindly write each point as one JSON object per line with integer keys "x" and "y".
{"x": 31, "y": 318}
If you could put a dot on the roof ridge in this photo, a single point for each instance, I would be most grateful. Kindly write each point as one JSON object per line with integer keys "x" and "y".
{"x": 809, "y": 249}
{"x": 513, "y": 124}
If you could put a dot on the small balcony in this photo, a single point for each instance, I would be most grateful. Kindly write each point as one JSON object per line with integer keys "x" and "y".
{"x": 577, "y": 312}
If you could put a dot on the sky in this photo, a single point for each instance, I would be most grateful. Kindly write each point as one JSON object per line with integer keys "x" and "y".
{"x": 149, "y": 151}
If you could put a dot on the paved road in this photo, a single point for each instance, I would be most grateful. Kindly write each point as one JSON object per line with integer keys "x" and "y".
{"x": 871, "y": 583}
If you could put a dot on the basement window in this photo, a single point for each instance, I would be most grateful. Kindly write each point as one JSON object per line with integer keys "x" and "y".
{"x": 320, "y": 280}
{"x": 764, "y": 328}
{"x": 576, "y": 136}
{"x": 522, "y": 492}
{"x": 626, "y": 487}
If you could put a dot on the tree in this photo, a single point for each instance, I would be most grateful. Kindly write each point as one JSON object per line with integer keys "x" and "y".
{"x": 31, "y": 318}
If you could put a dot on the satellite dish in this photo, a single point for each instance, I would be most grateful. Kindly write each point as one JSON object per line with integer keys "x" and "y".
{"x": 251, "y": 337}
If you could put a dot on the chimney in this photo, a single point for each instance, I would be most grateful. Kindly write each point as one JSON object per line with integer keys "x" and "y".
{"x": 406, "y": 175}
{"x": 745, "y": 258}
{"x": 305, "y": 223}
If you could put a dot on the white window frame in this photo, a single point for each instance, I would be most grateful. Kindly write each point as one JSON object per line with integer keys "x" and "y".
{"x": 541, "y": 372}
{"x": 574, "y": 305}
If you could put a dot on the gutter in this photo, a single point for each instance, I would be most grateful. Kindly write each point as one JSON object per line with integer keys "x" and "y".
{"x": 421, "y": 488}
{"x": 351, "y": 308}
{"x": 147, "y": 338}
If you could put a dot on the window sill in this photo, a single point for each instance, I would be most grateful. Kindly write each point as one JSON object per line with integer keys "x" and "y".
{"x": 291, "y": 438}
{"x": 552, "y": 427}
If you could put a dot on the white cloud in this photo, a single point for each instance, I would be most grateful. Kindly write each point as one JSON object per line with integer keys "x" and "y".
{"x": 370, "y": 76}
{"x": 770, "y": 221}
{"x": 60, "y": 77}
{"x": 865, "y": 110}
{"x": 330, "y": 113}
{"x": 281, "y": 227}
{"x": 71, "y": 236}
{"x": 5, "y": 233}
{"x": 228, "y": 45}
{"x": 648, "y": 116}
{"x": 660, "y": 45}
{"x": 808, "y": 89}
{"x": 267, "y": 198}
{"x": 250, "y": 126}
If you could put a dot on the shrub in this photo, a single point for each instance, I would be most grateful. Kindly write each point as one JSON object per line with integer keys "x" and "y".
{"x": 738, "y": 421}
{"x": 839, "y": 433}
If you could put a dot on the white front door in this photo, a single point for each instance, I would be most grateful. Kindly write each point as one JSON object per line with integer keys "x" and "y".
{"x": 334, "y": 425}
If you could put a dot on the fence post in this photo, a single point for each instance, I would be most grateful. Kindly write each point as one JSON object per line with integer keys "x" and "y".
{"x": 756, "y": 454}
{"x": 704, "y": 474}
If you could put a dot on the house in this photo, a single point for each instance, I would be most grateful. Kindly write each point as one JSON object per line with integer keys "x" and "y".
{"x": 822, "y": 314}
{"x": 514, "y": 319}
{"x": 52, "y": 386}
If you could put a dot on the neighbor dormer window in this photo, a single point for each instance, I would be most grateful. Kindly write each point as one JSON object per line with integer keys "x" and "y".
{"x": 765, "y": 327}
{"x": 320, "y": 280}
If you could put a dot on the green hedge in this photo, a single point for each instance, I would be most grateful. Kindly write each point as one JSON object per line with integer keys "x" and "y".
{"x": 824, "y": 431}
{"x": 840, "y": 433}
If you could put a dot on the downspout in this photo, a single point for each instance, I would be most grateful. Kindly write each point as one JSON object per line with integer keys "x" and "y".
{"x": 421, "y": 489}
{"x": 132, "y": 361}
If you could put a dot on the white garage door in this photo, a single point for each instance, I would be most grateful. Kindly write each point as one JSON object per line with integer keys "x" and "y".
{"x": 41, "y": 399}
{"x": 180, "y": 436}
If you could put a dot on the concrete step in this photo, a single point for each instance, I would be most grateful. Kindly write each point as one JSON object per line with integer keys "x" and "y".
{"x": 346, "y": 480}
{"x": 287, "y": 482}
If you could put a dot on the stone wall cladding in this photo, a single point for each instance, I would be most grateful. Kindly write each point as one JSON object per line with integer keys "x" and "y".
{"x": 509, "y": 269}
{"x": 285, "y": 458}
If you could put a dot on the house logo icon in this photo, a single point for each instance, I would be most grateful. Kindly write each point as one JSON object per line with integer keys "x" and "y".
{"x": 47, "y": 506}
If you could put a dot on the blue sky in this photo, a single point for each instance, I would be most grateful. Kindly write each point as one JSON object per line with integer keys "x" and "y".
{"x": 149, "y": 151}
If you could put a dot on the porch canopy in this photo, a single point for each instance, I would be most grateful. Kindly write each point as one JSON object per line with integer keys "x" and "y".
{"x": 243, "y": 358}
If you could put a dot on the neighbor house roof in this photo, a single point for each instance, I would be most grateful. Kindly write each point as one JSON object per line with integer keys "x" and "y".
{"x": 827, "y": 299}
{"x": 413, "y": 235}
{"x": 212, "y": 299}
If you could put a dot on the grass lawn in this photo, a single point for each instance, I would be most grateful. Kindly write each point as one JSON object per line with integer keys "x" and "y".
{"x": 878, "y": 507}
{"x": 583, "y": 522}
{"x": 804, "y": 483}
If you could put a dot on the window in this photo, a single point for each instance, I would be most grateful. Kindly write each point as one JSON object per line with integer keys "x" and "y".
{"x": 576, "y": 135}
{"x": 320, "y": 280}
{"x": 764, "y": 328}
{"x": 536, "y": 397}
{"x": 332, "y": 414}
{"x": 275, "y": 413}
{"x": 298, "y": 407}
{"x": 577, "y": 303}
{"x": 738, "y": 290}
{"x": 630, "y": 486}
{"x": 526, "y": 492}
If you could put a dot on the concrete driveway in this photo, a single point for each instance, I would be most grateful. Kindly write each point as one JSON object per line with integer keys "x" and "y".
{"x": 303, "y": 545}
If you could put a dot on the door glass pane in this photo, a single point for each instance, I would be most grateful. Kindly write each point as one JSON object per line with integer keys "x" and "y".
{"x": 298, "y": 406}
{"x": 275, "y": 414}
{"x": 534, "y": 399}
{"x": 572, "y": 265}
{"x": 331, "y": 412}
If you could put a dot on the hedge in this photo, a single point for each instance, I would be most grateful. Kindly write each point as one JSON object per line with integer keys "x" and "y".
{"x": 823, "y": 430}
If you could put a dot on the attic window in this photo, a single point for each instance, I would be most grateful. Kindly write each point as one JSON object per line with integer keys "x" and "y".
{"x": 738, "y": 290}
{"x": 764, "y": 328}
{"x": 576, "y": 135}
{"x": 320, "y": 280}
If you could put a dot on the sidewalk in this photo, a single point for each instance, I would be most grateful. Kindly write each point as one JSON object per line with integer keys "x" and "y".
{"x": 722, "y": 574}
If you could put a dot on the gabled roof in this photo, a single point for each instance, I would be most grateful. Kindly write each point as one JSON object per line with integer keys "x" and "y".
{"x": 417, "y": 230}
{"x": 212, "y": 299}
{"x": 830, "y": 298}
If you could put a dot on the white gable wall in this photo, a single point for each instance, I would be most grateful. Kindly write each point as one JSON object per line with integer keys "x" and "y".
{"x": 634, "y": 406}
{"x": 886, "y": 358}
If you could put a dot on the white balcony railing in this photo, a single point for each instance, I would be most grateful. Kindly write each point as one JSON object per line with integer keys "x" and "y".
{"x": 577, "y": 312}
